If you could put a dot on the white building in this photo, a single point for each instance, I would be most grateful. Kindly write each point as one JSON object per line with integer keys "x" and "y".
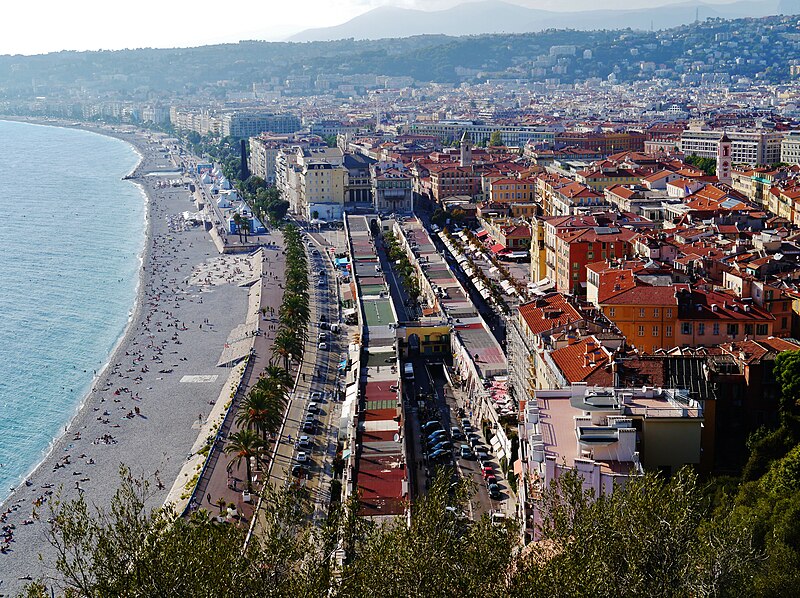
{"x": 747, "y": 147}
{"x": 790, "y": 148}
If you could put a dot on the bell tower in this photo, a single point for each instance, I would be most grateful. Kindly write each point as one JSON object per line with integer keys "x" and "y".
{"x": 466, "y": 151}
{"x": 724, "y": 159}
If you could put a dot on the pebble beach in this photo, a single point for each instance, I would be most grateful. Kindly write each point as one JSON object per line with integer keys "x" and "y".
{"x": 147, "y": 405}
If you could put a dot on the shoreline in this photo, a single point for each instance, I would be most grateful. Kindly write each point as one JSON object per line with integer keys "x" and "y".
{"x": 133, "y": 313}
{"x": 175, "y": 331}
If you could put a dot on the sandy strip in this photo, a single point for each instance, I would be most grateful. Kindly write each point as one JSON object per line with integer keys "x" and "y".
{"x": 161, "y": 384}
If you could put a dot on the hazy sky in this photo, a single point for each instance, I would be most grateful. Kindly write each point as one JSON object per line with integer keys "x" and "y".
{"x": 38, "y": 26}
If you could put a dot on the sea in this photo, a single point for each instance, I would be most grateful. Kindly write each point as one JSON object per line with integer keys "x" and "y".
{"x": 72, "y": 234}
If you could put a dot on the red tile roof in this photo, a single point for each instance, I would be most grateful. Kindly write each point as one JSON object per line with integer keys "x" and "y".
{"x": 581, "y": 359}
{"x": 549, "y": 312}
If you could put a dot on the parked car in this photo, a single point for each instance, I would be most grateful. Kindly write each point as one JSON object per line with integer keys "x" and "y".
{"x": 298, "y": 470}
{"x": 313, "y": 407}
{"x": 437, "y": 434}
{"x": 494, "y": 491}
{"x": 302, "y": 457}
{"x": 486, "y": 471}
{"x": 483, "y": 456}
{"x": 445, "y": 445}
{"x": 431, "y": 426}
{"x": 304, "y": 442}
{"x": 466, "y": 452}
{"x": 322, "y": 346}
{"x": 474, "y": 440}
{"x": 456, "y": 433}
{"x": 465, "y": 423}
{"x": 437, "y": 455}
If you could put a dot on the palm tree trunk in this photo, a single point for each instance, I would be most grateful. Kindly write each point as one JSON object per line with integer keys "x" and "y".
{"x": 249, "y": 475}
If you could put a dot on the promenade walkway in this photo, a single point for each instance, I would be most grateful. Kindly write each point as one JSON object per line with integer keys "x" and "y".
{"x": 223, "y": 478}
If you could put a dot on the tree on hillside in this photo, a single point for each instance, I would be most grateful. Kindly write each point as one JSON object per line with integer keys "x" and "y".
{"x": 496, "y": 139}
{"x": 649, "y": 538}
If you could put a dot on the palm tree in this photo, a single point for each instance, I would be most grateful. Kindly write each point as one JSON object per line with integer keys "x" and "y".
{"x": 276, "y": 372}
{"x": 282, "y": 346}
{"x": 291, "y": 342}
{"x": 245, "y": 444}
{"x": 295, "y": 310}
{"x": 239, "y": 222}
{"x": 254, "y": 412}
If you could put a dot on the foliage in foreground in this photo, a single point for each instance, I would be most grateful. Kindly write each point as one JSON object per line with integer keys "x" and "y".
{"x": 651, "y": 538}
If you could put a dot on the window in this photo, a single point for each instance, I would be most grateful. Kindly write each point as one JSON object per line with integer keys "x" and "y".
{"x": 686, "y": 328}
{"x": 669, "y": 312}
{"x": 715, "y": 330}
{"x": 748, "y": 329}
{"x": 612, "y": 311}
{"x": 655, "y": 312}
{"x": 762, "y": 329}
{"x": 641, "y": 330}
{"x": 668, "y": 331}
{"x": 655, "y": 330}
{"x": 784, "y": 322}
{"x": 641, "y": 312}
{"x": 575, "y": 265}
{"x": 574, "y": 276}
{"x": 733, "y": 329}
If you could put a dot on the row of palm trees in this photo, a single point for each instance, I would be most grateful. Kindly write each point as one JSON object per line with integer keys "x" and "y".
{"x": 261, "y": 412}
{"x": 259, "y": 415}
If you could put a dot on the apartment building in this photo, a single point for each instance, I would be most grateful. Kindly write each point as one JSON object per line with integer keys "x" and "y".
{"x": 512, "y": 135}
{"x": 391, "y": 189}
{"x": 313, "y": 180}
{"x": 250, "y": 123}
{"x": 747, "y": 147}
{"x": 575, "y": 249}
{"x": 449, "y": 180}
{"x": 790, "y": 148}
{"x": 607, "y": 435}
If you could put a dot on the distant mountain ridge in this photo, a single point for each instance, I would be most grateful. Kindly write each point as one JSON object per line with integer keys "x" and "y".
{"x": 496, "y": 16}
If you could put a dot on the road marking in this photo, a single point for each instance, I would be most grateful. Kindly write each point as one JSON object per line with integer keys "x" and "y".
{"x": 204, "y": 379}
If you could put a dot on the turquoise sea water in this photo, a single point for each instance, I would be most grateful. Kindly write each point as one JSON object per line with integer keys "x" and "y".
{"x": 71, "y": 235}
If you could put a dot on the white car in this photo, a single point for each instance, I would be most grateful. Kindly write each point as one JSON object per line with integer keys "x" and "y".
{"x": 302, "y": 457}
{"x": 304, "y": 442}
{"x": 322, "y": 346}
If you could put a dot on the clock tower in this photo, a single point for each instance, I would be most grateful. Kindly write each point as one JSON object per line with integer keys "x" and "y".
{"x": 724, "y": 160}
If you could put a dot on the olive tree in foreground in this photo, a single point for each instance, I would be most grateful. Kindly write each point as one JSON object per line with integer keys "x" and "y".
{"x": 650, "y": 538}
